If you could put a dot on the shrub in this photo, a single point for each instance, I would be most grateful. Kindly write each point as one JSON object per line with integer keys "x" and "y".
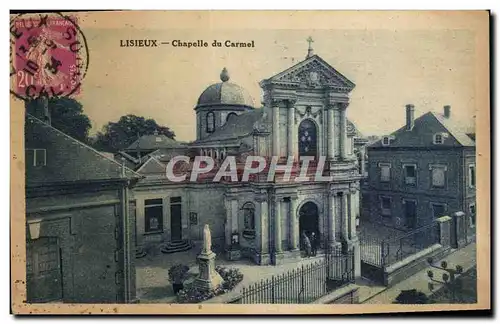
{"x": 178, "y": 273}
{"x": 192, "y": 295}
{"x": 411, "y": 297}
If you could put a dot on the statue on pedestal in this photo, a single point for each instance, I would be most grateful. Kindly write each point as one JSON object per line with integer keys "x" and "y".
{"x": 208, "y": 278}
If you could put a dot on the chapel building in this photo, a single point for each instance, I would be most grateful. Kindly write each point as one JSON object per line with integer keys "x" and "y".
{"x": 304, "y": 114}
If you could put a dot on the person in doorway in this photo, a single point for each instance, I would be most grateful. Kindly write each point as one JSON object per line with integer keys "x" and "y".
{"x": 307, "y": 244}
{"x": 314, "y": 244}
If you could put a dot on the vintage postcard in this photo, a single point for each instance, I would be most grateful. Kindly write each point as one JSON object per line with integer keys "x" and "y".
{"x": 231, "y": 162}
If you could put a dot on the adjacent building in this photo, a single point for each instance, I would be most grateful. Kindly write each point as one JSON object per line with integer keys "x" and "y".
{"x": 79, "y": 220}
{"x": 424, "y": 170}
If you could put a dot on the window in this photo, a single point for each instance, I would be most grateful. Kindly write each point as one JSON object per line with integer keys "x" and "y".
{"x": 308, "y": 138}
{"x": 438, "y": 210}
{"x": 385, "y": 206}
{"x": 438, "y": 175}
{"x": 230, "y": 115}
{"x": 36, "y": 157}
{"x": 438, "y": 138}
{"x": 472, "y": 215}
{"x": 210, "y": 122}
{"x": 385, "y": 172}
{"x": 472, "y": 176}
{"x": 386, "y": 140}
{"x": 153, "y": 215}
{"x": 249, "y": 219}
{"x": 410, "y": 171}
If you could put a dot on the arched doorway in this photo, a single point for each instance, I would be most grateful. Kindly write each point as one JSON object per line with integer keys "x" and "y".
{"x": 308, "y": 138}
{"x": 309, "y": 220}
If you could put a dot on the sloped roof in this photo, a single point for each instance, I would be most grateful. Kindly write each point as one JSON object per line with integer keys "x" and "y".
{"x": 422, "y": 134}
{"x": 152, "y": 165}
{"x": 328, "y": 75}
{"x": 235, "y": 128}
{"x": 152, "y": 142}
{"x": 67, "y": 159}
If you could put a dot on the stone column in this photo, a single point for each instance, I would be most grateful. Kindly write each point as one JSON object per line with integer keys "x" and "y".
{"x": 278, "y": 251}
{"x": 291, "y": 129}
{"x": 295, "y": 235}
{"x": 352, "y": 212}
{"x": 262, "y": 235}
{"x": 229, "y": 224}
{"x": 276, "y": 128}
{"x": 277, "y": 225}
{"x": 345, "y": 216}
{"x": 331, "y": 221}
{"x": 343, "y": 131}
{"x": 330, "y": 133}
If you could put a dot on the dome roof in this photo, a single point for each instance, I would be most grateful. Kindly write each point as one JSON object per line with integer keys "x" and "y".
{"x": 225, "y": 94}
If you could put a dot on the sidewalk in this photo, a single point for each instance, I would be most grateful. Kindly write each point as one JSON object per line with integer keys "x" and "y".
{"x": 373, "y": 294}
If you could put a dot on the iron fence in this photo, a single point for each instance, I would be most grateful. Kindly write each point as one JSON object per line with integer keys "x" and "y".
{"x": 302, "y": 285}
{"x": 382, "y": 253}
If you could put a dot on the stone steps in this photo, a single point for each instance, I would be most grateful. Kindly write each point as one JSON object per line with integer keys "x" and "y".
{"x": 176, "y": 246}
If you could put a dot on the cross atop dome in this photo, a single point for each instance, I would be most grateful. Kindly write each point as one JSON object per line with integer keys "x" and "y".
{"x": 224, "y": 75}
{"x": 310, "y": 51}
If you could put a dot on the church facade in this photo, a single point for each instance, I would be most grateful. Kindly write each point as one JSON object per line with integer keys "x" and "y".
{"x": 304, "y": 115}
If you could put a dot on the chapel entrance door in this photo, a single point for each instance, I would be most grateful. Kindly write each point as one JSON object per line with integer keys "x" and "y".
{"x": 175, "y": 220}
{"x": 308, "y": 220}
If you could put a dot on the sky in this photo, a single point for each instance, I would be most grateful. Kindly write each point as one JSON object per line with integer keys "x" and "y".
{"x": 391, "y": 67}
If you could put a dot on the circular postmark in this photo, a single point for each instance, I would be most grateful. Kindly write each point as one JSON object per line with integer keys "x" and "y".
{"x": 49, "y": 56}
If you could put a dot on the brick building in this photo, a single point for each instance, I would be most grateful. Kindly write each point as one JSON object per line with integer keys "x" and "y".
{"x": 422, "y": 171}
{"x": 79, "y": 220}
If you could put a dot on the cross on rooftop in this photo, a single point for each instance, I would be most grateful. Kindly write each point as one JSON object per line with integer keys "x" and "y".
{"x": 310, "y": 41}
{"x": 310, "y": 49}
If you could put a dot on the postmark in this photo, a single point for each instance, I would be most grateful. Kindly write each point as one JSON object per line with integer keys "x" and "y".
{"x": 49, "y": 56}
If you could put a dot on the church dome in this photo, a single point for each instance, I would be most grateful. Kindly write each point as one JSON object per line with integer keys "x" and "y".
{"x": 225, "y": 93}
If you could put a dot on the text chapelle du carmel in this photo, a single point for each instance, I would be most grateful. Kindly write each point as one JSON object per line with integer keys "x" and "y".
{"x": 186, "y": 44}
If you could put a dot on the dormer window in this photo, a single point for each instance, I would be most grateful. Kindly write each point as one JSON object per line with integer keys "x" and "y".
{"x": 386, "y": 140}
{"x": 438, "y": 138}
{"x": 158, "y": 139}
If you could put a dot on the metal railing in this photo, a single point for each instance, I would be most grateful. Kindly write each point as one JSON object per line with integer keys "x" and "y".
{"x": 302, "y": 285}
{"x": 382, "y": 253}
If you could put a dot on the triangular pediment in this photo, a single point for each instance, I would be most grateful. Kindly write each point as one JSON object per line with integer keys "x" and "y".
{"x": 313, "y": 72}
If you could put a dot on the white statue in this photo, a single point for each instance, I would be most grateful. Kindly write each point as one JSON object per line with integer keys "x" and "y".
{"x": 207, "y": 240}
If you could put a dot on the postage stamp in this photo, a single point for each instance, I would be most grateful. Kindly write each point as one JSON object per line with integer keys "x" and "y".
{"x": 49, "y": 55}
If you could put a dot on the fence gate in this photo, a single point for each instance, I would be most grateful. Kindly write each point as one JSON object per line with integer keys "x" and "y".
{"x": 302, "y": 285}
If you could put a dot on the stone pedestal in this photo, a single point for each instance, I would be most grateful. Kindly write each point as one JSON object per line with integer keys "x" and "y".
{"x": 278, "y": 258}
{"x": 208, "y": 278}
{"x": 444, "y": 231}
{"x": 460, "y": 237}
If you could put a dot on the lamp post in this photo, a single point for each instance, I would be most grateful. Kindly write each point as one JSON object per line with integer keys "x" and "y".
{"x": 448, "y": 278}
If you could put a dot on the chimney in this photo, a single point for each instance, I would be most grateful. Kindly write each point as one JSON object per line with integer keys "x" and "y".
{"x": 447, "y": 111}
{"x": 46, "y": 110}
{"x": 410, "y": 117}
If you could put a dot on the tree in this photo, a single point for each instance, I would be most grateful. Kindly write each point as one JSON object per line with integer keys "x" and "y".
{"x": 116, "y": 136}
{"x": 66, "y": 114}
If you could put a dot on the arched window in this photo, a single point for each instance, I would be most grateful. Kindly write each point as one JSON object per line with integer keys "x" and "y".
{"x": 308, "y": 138}
{"x": 249, "y": 219}
{"x": 210, "y": 122}
{"x": 230, "y": 115}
